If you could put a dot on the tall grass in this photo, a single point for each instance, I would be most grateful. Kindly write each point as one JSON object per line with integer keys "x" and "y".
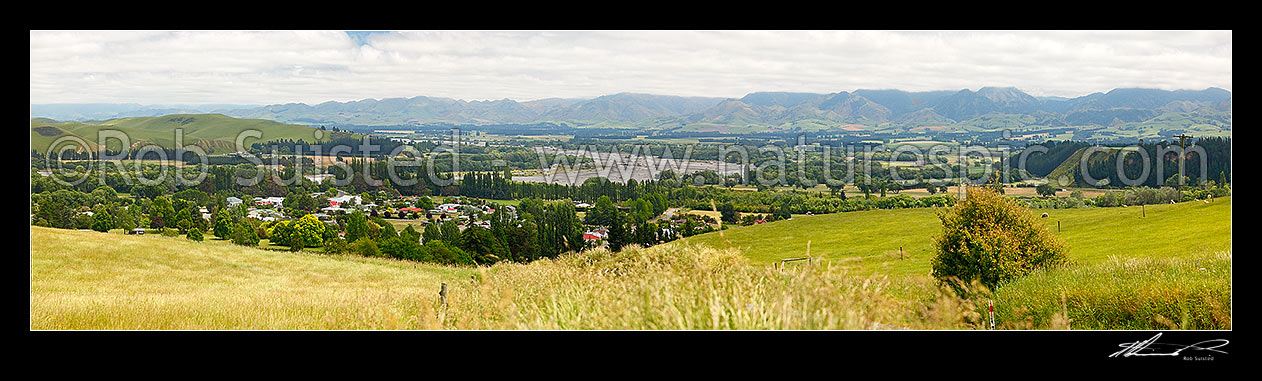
{"x": 686, "y": 287}
{"x": 81, "y": 281}
{"x": 89, "y": 280}
{"x": 1122, "y": 293}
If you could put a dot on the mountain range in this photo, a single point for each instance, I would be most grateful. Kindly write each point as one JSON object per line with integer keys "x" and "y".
{"x": 760, "y": 110}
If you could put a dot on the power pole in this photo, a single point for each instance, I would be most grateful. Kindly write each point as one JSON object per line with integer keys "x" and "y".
{"x": 1182, "y": 152}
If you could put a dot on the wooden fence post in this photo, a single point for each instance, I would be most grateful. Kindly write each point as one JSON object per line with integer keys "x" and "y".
{"x": 442, "y": 295}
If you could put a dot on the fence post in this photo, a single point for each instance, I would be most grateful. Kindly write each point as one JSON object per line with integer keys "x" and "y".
{"x": 1058, "y": 226}
{"x": 992, "y": 315}
{"x": 442, "y": 295}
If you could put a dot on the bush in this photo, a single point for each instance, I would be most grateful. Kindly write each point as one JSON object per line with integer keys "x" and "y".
{"x": 195, "y": 234}
{"x": 336, "y": 246}
{"x": 244, "y": 234}
{"x": 991, "y": 239}
{"x": 365, "y": 247}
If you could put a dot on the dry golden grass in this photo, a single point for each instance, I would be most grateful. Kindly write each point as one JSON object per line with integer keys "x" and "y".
{"x": 88, "y": 280}
{"x": 677, "y": 287}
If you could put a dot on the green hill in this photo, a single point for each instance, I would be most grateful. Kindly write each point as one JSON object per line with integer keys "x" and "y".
{"x": 1069, "y": 172}
{"x": 869, "y": 241}
{"x": 215, "y": 133}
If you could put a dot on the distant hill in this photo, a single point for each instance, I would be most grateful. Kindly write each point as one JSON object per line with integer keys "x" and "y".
{"x": 215, "y": 133}
{"x": 103, "y": 111}
{"x": 1136, "y": 112}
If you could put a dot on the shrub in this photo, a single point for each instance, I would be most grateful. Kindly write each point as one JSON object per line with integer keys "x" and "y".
{"x": 365, "y": 247}
{"x": 244, "y": 234}
{"x": 336, "y": 246}
{"x": 195, "y": 234}
{"x": 991, "y": 239}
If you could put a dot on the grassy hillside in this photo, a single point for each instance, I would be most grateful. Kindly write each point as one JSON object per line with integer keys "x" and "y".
{"x": 81, "y": 281}
{"x": 1170, "y": 270}
{"x": 212, "y": 132}
{"x": 869, "y": 241}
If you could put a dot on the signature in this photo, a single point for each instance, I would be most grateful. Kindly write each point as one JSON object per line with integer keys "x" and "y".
{"x": 1151, "y": 347}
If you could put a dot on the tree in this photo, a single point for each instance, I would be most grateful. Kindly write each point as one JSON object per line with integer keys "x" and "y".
{"x": 992, "y": 239}
{"x": 223, "y": 224}
{"x": 449, "y": 232}
{"x": 56, "y": 209}
{"x": 646, "y": 234}
{"x": 308, "y": 231}
{"x": 482, "y": 245}
{"x": 604, "y": 213}
{"x": 356, "y": 226}
{"x": 1045, "y": 190}
{"x": 366, "y": 247}
{"x": 619, "y": 236}
{"x": 195, "y": 234}
{"x": 300, "y": 201}
{"x": 835, "y": 186}
{"x": 102, "y": 221}
{"x": 728, "y": 214}
{"x": 123, "y": 219}
{"x": 161, "y": 213}
{"x": 446, "y": 254}
{"x": 410, "y": 234}
{"x": 523, "y": 242}
{"x": 386, "y": 228}
{"x": 431, "y": 233}
{"x": 244, "y": 234}
{"x": 424, "y": 202}
{"x": 184, "y": 220}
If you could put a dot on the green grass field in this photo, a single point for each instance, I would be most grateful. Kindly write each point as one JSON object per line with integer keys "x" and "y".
{"x": 869, "y": 241}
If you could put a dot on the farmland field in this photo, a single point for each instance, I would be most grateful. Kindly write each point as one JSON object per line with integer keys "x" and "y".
{"x": 152, "y": 282}
{"x": 869, "y": 241}
{"x": 79, "y": 281}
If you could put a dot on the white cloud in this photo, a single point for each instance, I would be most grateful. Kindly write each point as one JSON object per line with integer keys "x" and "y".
{"x": 316, "y": 66}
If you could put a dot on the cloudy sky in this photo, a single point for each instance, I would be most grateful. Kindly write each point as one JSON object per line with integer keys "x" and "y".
{"x": 266, "y": 67}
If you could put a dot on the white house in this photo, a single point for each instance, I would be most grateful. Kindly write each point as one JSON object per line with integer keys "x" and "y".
{"x": 449, "y": 208}
{"x": 339, "y": 200}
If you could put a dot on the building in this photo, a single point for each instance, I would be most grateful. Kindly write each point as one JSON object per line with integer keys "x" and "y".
{"x": 272, "y": 201}
{"x": 334, "y": 210}
{"x": 339, "y": 200}
{"x": 449, "y": 208}
{"x": 233, "y": 201}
